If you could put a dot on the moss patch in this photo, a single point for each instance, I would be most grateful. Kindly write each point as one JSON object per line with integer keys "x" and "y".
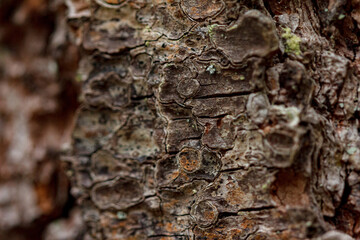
{"x": 292, "y": 42}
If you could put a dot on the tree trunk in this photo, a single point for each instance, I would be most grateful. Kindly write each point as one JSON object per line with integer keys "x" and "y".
{"x": 217, "y": 119}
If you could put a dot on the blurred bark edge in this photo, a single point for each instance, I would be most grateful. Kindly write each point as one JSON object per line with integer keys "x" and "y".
{"x": 38, "y": 99}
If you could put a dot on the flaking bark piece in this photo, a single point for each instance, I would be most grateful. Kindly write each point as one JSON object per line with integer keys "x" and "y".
{"x": 93, "y": 128}
{"x": 179, "y": 131}
{"x": 110, "y": 36}
{"x": 237, "y": 190}
{"x": 282, "y": 145}
{"x": 219, "y": 133}
{"x": 141, "y": 65}
{"x": 188, "y": 165}
{"x": 110, "y": 3}
{"x": 264, "y": 224}
{"x": 258, "y": 107}
{"x": 253, "y": 35}
{"x": 248, "y": 150}
{"x": 177, "y": 201}
{"x": 204, "y": 213}
{"x": 167, "y": 19}
{"x": 201, "y": 9}
{"x": 225, "y": 81}
{"x": 173, "y": 75}
{"x": 135, "y": 142}
{"x": 107, "y": 90}
{"x": 196, "y": 164}
{"x": 104, "y": 166}
{"x": 174, "y": 111}
{"x": 120, "y": 193}
{"x": 215, "y": 107}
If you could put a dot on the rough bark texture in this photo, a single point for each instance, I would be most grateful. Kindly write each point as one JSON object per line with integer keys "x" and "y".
{"x": 217, "y": 119}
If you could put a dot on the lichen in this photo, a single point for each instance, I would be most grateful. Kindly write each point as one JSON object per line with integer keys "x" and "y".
{"x": 211, "y": 69}
{"x": 211, "y": 30}
{"x": 341, "y": 17}
{"x": 78, "y": 77}
{"x": 121, "y": 215}
{"x": 351, "y": 150}
{"x": 292, "y": 42}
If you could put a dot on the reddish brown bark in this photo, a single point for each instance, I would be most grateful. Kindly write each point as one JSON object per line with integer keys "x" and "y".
{"x": 38, "y": 99}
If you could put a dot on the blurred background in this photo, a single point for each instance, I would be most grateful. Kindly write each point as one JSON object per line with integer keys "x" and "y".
{"x": 38, "y": 102}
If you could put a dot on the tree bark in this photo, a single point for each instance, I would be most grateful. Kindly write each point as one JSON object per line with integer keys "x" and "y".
{"x": 217, "y": 119}
{"x": 38, "y": 100}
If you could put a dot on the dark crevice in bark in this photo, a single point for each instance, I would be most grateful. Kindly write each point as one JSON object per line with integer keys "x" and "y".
{"x": 212, "y": 117}
{"x": 344, "y": 197}
{"x": 235, "y": 169}
{"x": 256, "y": 209}
{"x": 142, "y": 97}
{"x": 225, "y": 95}
{"x": 227, "y": 214}
{"x": 232, "y": 214}
{"x": 268, "y": 8}
{"x": 178, "y": 237}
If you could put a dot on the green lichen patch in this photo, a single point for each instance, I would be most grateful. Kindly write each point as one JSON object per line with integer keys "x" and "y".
{"x": 341, "y": 16}
{"x": 121, "y": 215}
{"x": 292, "y": 42}
{"x": 351, "y": 150}
{"x": 211, "y": 30}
